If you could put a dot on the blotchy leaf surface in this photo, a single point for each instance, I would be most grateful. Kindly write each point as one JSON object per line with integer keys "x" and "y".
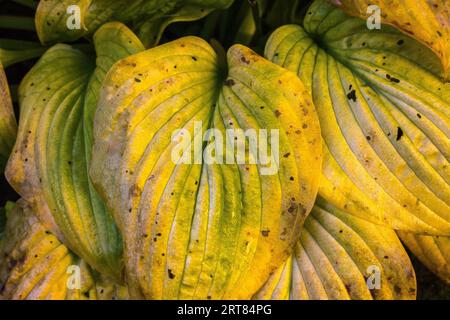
{"x": 149, "y": 17}
{"x": 203, "y": 229}
{"x": 385, "y": 118}
{"x": 426, "y": 20}
{"x": 433, "y": 252}
{"x": 49, "y": 167}
{"x": 340, "y": 257}
{"x": 35, "y": 265}
{"x": 8, "y": 125}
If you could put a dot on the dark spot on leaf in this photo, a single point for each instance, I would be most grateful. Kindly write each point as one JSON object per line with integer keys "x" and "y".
{"x": 419, "y": 116}
{"x": 171, "y": 275}
{"x": 400, "y": 42}
{"x": 287, "y": 155}
{"x": 137, "y": 79}
{"x": 352, "y": 95}
{"x": 244, "y": 60}
{"x": 229, "y": 82}
{"x": 399, "y": 133}
{"x": 265, "y": 233}
{"x": 194, "y": 58}
{"x": 293, "y": 207}
{"x": 277, "y": 113}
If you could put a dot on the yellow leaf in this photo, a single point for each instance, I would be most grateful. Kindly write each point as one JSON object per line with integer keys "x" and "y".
{"x": 426, "y": 20}
{"x": 35, "y": 265}
{"x": 341, "y": 257}
{"x": 200, "y": 228}
{"x": 433, "y": 252}
{"x": 8, "y": 126}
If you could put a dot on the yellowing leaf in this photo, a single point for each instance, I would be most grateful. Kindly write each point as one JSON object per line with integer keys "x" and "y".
{"x": 385, "y": 118}
{"x": 49, "y": 166}
{"x": 8, "y": 126}
{"x": 36, "y": 266}
{"x": 201, "y": 228}
{"x": 56, "y": 20}
{"x": 340, "y": 257}
{"x": 34, "y": 263}
{"x": 426, "y": 20}
{"x": 433, "y": 252}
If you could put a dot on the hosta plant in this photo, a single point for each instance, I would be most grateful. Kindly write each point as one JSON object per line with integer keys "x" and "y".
{"x": 157, "y": 160}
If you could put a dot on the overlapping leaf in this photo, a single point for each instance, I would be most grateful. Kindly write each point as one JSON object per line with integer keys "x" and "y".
{"x": 426, "y": 20}
{"x": 49, "y": 167}
{"x": 203, "y": 230}
{"x": 8, "y": 126}
{"x": 339, "y": 257}
{"x": 433, "y": 252}
{"x": 35, "y": 265}
{"x": 385, "y": 117}
{"x": 150, "y": 17}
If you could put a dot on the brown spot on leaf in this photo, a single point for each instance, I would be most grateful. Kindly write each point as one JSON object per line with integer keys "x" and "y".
{"x": 265, "y": 233}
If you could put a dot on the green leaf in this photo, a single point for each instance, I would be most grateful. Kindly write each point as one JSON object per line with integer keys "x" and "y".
{"x": 8, "y": 125}
{"x": 149, "y": 17}
{"x": 384, "y": 114}
{"x": 35, "y": 265}
{"x": 50, "y": 163}
{"x": 433, "y": 252}
{"x": 204, "y": 229}
{"x": 340, "y": 257}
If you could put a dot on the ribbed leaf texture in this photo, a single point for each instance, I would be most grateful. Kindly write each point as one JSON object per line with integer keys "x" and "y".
{"x": 384, "y": 114}
{"x": 433, "y": 252}
{"x": 426, "y": 20}
{"x": 203, "y": 230}
{"x": 340, "y": 257}
{"x": 35, "y": 265}
{"x": 49, "y": 166}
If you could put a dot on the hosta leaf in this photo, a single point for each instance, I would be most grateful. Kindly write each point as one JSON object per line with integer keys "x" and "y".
{"x": 8, "y": 126}
{"x": 151, "y": 17}
{"x": 426, "y": 20}
{"x": 203, "y": 230}
{"x": 433, "y": 252}
{"x": 49, "y": 167}
{"x": 4, "y": 212}
{"x": 385, "y": 119}
{"x": 35, "y": 265}
{"x": 339, "y": 257}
